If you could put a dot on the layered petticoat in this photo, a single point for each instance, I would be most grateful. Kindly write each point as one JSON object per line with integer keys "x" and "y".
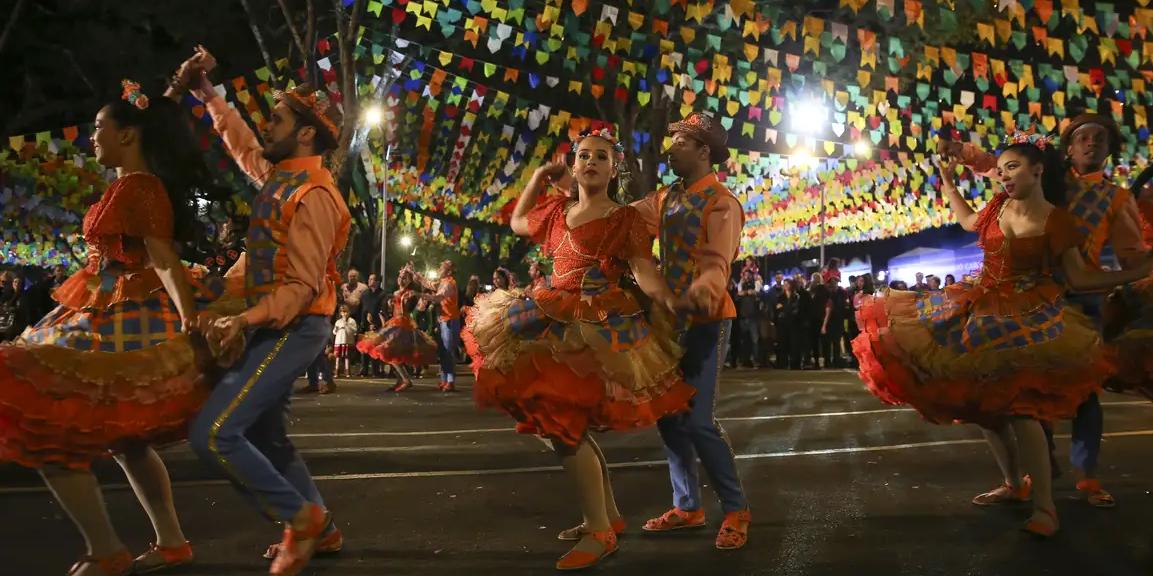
{"x": 563, "y": 362}
{"x": 980, "y": 354}
{"x": 108, "y": 368}
{"x": 399, "y": 342}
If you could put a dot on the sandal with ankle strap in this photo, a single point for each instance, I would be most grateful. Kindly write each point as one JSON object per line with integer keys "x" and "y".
{"x": 577, "y": 532}
{"x": 579, "y": 559}
{"x": 118, "y": 564}
{"x": 1093, "y": 493}
{"x": 734, "y": 532}
{"x": 1006, "y": 494}
{"x": 1042, "y": 529}
{"x": 331, "y": 543}
{"x": 289, "y": 560}
{"x": 676, "y": 519}
{"x": 161, "y": 557}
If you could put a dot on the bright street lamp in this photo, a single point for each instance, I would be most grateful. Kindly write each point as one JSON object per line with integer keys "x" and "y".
{"x": 862, "y": 149}
{"x": 405, "y": 241}
{"x": 374, "y": 115}
{"x": 803, "y": 158}
{"x": 810, "y": 116}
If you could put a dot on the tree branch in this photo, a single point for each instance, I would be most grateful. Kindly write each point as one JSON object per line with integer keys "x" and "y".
{"x": 11, "y": 23}
{"x": 309, "y": 55}
{"x": 288, "y": 19}
{"x": 260, "y": 42}
{"x": 346, "y": 38}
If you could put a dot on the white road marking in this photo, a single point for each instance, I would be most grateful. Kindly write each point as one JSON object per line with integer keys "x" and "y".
{"x": 1144, "y": 403}
{"x": 617, "y": 465}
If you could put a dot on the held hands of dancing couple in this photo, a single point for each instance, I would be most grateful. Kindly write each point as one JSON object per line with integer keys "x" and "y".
{"x": 192, "y": 74}
{"x": 224, "y": 335}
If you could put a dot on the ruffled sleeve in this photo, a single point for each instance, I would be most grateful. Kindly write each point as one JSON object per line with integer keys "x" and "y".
{"x": 136, "y": 206}
{"x": 638, "y": 241}
{"x": 544, "y": 216}
{"x": 1062, "y": 232}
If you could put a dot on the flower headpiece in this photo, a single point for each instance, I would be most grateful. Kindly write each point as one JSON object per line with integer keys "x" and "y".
{"x": 133, "y": 95}
{"x": 1030, "y": 137}
{"x": 604, "y": 133}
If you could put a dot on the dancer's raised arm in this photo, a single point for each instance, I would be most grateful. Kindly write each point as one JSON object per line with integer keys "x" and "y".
{"x": 962, "y": 211}
{"x": 540, "y": 178}
{"x": 239, "y": 139}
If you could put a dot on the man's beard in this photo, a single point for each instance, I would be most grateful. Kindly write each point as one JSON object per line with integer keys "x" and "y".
{"x": 280, "y": 150}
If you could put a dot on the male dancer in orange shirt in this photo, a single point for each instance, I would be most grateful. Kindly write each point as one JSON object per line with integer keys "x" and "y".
{"x": 298, "y": 227}
{"x": 699, "y": 222}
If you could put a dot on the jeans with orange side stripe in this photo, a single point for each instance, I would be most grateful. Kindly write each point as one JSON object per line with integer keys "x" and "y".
{"x": 241, "y": 429}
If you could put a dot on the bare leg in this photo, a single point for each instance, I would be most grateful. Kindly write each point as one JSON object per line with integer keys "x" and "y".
{"x": 584, "y": 469}
{"x": 1035, "y": 460}
{"x": 79, "y": 495}
{"x": 149, "y": 479}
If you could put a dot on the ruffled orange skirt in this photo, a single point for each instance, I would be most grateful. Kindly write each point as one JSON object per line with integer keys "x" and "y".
{"x": 84, "y": 383}
{"x": 966, "y": 356}
{"x": 558, "y": 379}
{"x": 399, "y": 342}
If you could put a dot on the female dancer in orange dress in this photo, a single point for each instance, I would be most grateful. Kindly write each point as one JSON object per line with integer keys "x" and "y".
{"x": 1005, "y": 351}
{"x": 581, "y": 355}
{"x": 400, "y": 342}
{"x": 113, "y": 368}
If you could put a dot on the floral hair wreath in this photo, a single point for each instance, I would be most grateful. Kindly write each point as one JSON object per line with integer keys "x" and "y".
{"x": 1032, "y": 138}
{"x": 133, "y": 95}
{"x": 606, "y": 134}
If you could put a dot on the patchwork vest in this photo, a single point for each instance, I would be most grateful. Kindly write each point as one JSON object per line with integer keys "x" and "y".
{"x": 683, "y": 233}
{"x": 1094, "y": 207}
{"x": 272, "y": 212}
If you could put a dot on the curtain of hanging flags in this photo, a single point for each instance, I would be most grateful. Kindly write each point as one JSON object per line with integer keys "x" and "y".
{"x": 490, "y": 90}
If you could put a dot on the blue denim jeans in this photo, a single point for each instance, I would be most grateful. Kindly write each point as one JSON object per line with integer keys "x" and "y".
{"x": 697, "y": 433}
{"x": 449, "y": 338}
{"x": 241, "y": 432}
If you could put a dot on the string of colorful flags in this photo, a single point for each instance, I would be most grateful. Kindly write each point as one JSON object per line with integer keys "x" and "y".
{"x": 489, "y": 90}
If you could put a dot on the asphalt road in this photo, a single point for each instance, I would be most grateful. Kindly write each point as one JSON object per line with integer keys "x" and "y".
{"x": 423, "y": 483}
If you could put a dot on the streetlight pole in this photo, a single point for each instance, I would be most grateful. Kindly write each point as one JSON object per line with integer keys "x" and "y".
{"x": 384, "y": 215}
{"x": 822, "y": 262}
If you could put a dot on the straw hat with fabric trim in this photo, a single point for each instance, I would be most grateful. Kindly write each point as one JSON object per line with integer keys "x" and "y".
{"x": 314, "y": 105}
{"x": 706, "y": 130}
{"x": 1090, "y": 118}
